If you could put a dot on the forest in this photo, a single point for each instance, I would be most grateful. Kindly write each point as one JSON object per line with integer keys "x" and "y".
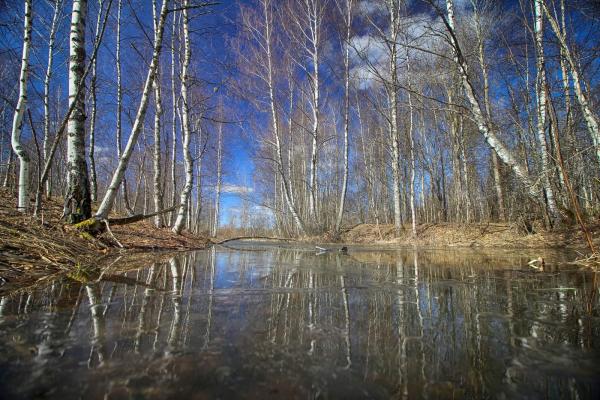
{"x": 299, "y": 199}
{"x": 317, "y": 115}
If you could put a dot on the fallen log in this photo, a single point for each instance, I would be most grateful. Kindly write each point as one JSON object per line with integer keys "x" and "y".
{"x": 95, "y": 226}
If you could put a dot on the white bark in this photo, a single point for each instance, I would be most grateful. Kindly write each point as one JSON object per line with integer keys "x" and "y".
{"x": 117, "y": 178}
{"x": 392, "y": 92}
{"x": 411, "y": 138}
{"x": 17, "y": 125}
{"x": 93, "y": 84}
{"x": 77, "y": 201}
{"x": 158, "y": 111}
{"x": 483, "y": 124}
{"x": 268, "y": 23}
{"x": 173, "y": 122}
{"x": 215, "y": 226}
{"x": 184, "y": 200}
{"x": 348, "y": 23}
{"x": 119, "y": 129}
{"x": 541, "y": 108}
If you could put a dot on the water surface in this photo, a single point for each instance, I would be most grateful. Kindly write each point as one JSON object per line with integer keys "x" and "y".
{"x": 279, "y": 322}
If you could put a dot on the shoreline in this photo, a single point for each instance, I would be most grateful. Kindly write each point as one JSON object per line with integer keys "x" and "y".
{"x": 35, "y": 249}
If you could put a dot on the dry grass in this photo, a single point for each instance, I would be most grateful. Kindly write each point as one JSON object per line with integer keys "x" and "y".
{"x": 471, "y": 235}
{"x": 32, "y": 249}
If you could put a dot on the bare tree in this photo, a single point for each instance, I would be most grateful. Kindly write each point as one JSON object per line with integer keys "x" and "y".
{"x": 111, "y": 193}
{"x": 47, "y": 78}
{"x": 184, "y": 201}
{"x": 158, "y": 112}
{"x": 17, "y": 126}
{"x": 78, "y": 205}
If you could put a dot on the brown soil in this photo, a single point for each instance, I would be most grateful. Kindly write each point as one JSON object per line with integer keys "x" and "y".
{"x": 33, "y": 249}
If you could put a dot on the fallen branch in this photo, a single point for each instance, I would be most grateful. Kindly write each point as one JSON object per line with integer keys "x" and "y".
{"x": 255, "y": 238}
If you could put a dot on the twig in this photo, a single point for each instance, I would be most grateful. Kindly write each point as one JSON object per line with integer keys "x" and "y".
{"x": 111, "y": 234}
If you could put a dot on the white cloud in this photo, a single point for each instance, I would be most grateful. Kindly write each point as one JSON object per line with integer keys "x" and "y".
{"x": 236, "y": 189}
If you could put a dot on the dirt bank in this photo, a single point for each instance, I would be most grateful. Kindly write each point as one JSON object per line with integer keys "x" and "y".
{"x": 33, "y": 249}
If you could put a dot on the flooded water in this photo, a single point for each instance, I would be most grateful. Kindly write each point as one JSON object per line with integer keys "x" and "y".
{"x": 268, "y": 322}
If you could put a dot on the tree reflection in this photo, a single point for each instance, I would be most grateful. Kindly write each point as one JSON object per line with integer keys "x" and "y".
{"x": 412, "y": 323}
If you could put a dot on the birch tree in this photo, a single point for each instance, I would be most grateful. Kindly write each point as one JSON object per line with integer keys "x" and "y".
{"x": 215, "y": 227}
{"x": 119, "y": 128}
{"x": 392, "y": 94}
{"x": 483, "y": 123}
{"x": 117, "y": 177}
{"x": 307, "y": 16}
{"x": 158, "y": 112}
{"x": 184, "y": 200}
{"x": 260, "y": 35}
{"x": 540, "y": 89}
{"x": 173, "y": 121}
{"x": 78, "y": 204}
{"x": 347, "y": 16}
{"x": 93, "y": 85}
{"x": 17, "y": 126}
{"x": 47, "y": 78}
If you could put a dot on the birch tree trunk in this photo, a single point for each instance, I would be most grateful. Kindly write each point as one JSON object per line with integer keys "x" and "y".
{"x": 215, "y": 226}
{"x": 411, "y": 139}
{"x": 184, "y": 200}
{"x": 117, "y": 178}
{"x": 173, "y": 123}
{"x": 78, "y": 204}
{"x": 17, "y": 126}
{"x": 392, "y": 92}
{"x": 268, "y": 24}
{"x": 482, "y": 123}
{"x": 120, "y": 104}
{"x": 93, "y": 180}
{"x": 540, "y": 87}
{"x": 348, "y": 26}
{"x": 313, "y": 15}
{"x": 158, "y": 112}
{"x": 47, "y": 79}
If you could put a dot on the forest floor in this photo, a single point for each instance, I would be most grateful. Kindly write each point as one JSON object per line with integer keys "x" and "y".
{"x": 34, "y": 249}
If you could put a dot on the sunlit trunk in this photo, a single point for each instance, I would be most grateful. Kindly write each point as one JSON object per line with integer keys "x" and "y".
{"x": 158, "y": 112}
{"x": 78, "y": 205}
{"x": 540, "y": 87}
{"x": 184, "y": 201}
{"x": 17, "y": 125}
{"x": 120, "y": 105}
{"x": 93, "y": 84}
{"x": 348, "y": 22}
{"x": 117, "y": 178}
{"x": 482, "y": 123}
